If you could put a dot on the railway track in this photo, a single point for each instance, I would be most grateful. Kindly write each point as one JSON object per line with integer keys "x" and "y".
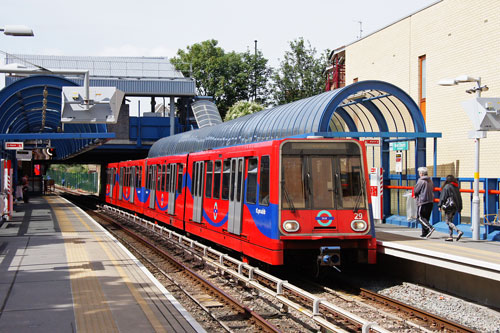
{"x": 318, "y": 311}
{"x": 208, "y": 296}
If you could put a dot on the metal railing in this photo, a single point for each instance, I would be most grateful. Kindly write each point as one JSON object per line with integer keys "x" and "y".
{"x": 489, "y": 197}
{"x": 85, "y": 181}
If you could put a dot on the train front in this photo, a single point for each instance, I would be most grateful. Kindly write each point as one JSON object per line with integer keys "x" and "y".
{"x": 325, "y": 210}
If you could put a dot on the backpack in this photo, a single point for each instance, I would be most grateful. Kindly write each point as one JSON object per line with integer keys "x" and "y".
{"x": 449, "y": 204}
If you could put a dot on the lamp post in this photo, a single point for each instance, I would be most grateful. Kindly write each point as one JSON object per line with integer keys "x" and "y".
{"x": 17, "y": 30}
{"x": 476, "y": 135}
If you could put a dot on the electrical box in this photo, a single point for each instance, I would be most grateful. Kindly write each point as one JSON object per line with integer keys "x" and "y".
{"x": 484, "y": 113}
{"x": 102, "y": 107}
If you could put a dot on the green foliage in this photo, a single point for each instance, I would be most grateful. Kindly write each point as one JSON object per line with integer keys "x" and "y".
{"x": 227, "y": 77}
{"x": 300, "y": 74}
{"x": 74, "y": 168}
{"x": 242, "y": 108}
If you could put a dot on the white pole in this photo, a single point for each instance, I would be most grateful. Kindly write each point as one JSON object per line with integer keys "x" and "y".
{"x": 475, "y": 196}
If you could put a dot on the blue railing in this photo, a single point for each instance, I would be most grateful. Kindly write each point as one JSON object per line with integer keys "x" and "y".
{"x": 489, "y": 208}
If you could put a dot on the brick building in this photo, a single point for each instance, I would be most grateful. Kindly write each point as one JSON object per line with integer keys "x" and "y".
{"x": 444, "y": 40}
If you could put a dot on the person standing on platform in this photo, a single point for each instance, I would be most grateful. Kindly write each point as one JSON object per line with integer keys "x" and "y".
{"x": 450, "y": 202}
{"x": 424, "y": 196}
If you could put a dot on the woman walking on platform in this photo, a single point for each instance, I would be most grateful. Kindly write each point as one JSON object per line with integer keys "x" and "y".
{"x": 450, "y": 202}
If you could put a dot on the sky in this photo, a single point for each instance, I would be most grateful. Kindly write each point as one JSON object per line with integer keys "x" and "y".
{"x": 160, "y": 28}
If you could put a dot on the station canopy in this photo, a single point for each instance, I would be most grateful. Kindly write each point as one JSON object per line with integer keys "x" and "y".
{"x": 30, "y": 110}
{"x": 362, "y": 109}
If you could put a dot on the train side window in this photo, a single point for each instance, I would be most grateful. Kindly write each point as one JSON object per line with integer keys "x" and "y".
{"x": 264, "y": 181}
{"x": 138, "y": 173}
{"x": 226, "y": 173}
{"x": 217, "y": 171}
{"x": 166, "y": 176}
{"x": 208, "y": 183}
{"x": 179, "y": 178}
{"x": 158, "y": 177}
{"x": 195, "y": 179}
{"x": 252, "y": 180}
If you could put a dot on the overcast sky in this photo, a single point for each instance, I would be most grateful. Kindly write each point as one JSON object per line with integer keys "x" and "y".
{"x": 160, "y": 28}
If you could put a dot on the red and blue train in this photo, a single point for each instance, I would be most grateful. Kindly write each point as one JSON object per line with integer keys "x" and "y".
{"x": 272, "y": 201}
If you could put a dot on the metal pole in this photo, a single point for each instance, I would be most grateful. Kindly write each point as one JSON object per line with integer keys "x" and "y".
{"x": 255, "y": 74}
{"x": 172, "y": 116}
{"x": 475, "y": 197}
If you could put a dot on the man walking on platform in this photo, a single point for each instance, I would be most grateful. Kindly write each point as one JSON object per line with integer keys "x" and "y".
{"x": 424, "y": 196}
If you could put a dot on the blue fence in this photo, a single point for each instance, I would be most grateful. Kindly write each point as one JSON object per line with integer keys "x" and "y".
{"x": 489, "y": 205}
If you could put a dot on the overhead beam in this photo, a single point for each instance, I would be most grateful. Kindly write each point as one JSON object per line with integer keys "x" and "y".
{"x": 56, "y": 136}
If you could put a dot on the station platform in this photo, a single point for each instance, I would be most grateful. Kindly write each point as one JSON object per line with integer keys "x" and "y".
{"x": 468, "y": 268}
{"x": 62, "y": 272}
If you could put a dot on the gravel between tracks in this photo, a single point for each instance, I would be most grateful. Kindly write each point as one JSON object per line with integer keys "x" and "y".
{"x": 466, "y": 313}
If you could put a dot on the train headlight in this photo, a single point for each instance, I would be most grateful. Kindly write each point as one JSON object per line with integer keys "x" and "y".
{"x": 359, "y": 225}
{"x": 291, "y": 226}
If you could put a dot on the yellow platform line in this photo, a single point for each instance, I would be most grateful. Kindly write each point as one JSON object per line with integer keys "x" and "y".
{"x": 157, "y": 326}
{"x": 92, "y": 312}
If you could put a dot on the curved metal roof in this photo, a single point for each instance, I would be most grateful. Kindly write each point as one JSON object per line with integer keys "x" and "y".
{"x": 366, "y": 106}
{"x": 21, "y": 111}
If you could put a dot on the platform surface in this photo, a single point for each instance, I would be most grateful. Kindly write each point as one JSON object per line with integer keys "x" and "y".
{"x": 62, "y": 272}
{"x": 480, "y": 258}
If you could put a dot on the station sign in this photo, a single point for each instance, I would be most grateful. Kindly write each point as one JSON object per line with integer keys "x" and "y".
{"x": 373, "y": 142}
{"x": 398, "y": 146}
{"x": 24, "y": 155}
{"x": 14, "y": 145}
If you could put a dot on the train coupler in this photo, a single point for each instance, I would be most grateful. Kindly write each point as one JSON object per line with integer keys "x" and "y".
{"x": 329, "y": 256}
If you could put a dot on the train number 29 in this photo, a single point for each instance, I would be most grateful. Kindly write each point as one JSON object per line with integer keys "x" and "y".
{"x": 358, "y": 216}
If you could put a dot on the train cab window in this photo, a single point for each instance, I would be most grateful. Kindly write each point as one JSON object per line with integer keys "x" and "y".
{"x": 252, "y": 180}
{"x": 292, "y": 190}
{"x": 226, "y": 173}
{"x": 208, "y": 182}
{"x": 179, "y": 179}
{"x": 351, "y": 182}
{"x": 217, "y": 171}
{"x": 320, "y": 182}
{"x": 264, "y": 181}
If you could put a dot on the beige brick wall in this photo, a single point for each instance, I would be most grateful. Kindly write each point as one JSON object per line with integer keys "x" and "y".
{"x": 457, "y": 37}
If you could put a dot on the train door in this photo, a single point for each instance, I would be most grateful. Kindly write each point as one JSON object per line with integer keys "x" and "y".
{"x": 132, "y": 184}
{"x": 152, "y": 186}
{"x": 120, "y": 183}
{"x": 198, "y": 173}
{"x": 171, "y": 187}
{"x": 236, "y": 184}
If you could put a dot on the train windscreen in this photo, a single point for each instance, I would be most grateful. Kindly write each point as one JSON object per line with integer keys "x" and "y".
{"x": 322, "y": 175}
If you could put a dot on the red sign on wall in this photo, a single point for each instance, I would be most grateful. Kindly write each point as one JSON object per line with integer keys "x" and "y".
{"x": 14, "y": 145}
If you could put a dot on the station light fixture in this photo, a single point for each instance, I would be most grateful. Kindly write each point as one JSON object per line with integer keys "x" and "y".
{"x": 17, "y": 30}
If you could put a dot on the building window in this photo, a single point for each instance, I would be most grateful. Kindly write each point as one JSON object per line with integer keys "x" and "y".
{"x": 422, "y": 83}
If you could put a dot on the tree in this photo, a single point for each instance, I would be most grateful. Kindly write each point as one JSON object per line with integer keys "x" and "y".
{"x": 242, "y": 108}
{"x": 259, "y": 76}
{"x": 300, "y": 74}
{"x": 227, "y": 77}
